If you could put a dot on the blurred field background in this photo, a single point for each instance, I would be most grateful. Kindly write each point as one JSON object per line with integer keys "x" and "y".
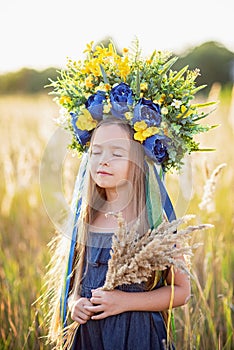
{"x": 26, "y": 130}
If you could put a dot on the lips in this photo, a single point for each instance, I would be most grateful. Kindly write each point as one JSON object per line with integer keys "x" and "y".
{"x": 103, "y": 172}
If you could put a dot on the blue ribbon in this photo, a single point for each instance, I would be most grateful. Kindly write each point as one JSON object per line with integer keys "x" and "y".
{"x": 64, "y": 296}
{"x": 166, "y": 201}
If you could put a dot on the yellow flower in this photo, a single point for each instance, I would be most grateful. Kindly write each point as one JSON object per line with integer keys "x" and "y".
{"x": 140, "y": 126}
{"x": 89, "y": 47}
{"x": 128, "y": 115}
{"x": 88, "y": 81}
{"x": 85, "y": 121}
{"x": 144, "y": 86}
{"x": 122, "y": 66}
{"x": 149, "y": 61}
{"x": 125, "y": 50}
{"x": 183, "y": 109}
{"x": 103, "y": 87}
{"x": 104, "y": 52}
{"x": 107, "y": 87}
{"x": 106, "y": 108}
{"x": 92, "y": 67}
{"x": 162, "y": 98}
{"x": 111, "y": 51}
{"x": 99, "y": 51}
{"x": 152, "y": 130}
{"x": 64, "y": 100}
{"x": 142, "y": 132}
{"x": 139, "y": 137}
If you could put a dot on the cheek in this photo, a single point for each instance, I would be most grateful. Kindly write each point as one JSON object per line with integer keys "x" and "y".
{"x": 123, "y": 168}
{"x": 93, "y": 163}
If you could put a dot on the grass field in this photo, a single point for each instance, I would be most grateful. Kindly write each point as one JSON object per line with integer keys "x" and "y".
{"x": 28, "y": 210}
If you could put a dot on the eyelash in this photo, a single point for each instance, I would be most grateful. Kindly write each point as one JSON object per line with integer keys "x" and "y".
{"x": 114, "y": 154}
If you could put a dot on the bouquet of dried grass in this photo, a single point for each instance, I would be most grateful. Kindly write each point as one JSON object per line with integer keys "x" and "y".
{"x": 135, "y": 258}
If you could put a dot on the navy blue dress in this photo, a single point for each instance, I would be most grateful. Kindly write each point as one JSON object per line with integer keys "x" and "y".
{"x": 127, "y": 331}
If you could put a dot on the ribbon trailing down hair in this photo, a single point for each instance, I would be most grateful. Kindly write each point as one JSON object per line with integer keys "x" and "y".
{"x": 76, "y": 208}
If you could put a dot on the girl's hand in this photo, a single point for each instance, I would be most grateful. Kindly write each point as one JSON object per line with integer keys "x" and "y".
{"x": 79, "y": 312}
{"x": 105, "y": 303}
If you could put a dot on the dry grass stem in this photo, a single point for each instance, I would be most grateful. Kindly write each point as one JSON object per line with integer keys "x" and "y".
{"x": 59, "y": 247}
{"x": 134, "y": 258}
{"x": 207, "y": 203}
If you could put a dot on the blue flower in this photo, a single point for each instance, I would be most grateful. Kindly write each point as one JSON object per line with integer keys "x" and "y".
{"x": 94, "y": 104}
{"x": 82, "y": 136}
{"x": 148, "y": 111}
{"x": 156, "y": 147}
{"x": 121, "y": 99}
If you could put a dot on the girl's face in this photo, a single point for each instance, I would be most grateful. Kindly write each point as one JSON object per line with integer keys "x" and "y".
{"x": 109, "y": 158}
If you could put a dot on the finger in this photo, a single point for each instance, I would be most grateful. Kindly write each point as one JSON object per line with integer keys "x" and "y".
{"x": 94, "y": 290}
{"x": 95, "y": 300}
{"x": 84, "y": 314}
{"x": 99, "y": 316}
{"x": 94, "y": 309}
{"x": 87, "y": 312}
{"x": 81, "y": 318}
{"x": 97, "y": 293}
{"x": 81, "y": 309}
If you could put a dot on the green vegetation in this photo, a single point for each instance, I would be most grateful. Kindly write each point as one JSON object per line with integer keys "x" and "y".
{"x": 216, "y": 64}
{"x": 26, "y": 81}
{"x": 26, "y": 127}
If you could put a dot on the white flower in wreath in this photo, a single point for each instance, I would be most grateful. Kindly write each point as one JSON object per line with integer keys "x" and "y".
{"x": 176, "y": 103}
{"x": 164, "y": 111}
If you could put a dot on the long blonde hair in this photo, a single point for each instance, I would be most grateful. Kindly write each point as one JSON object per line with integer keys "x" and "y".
{"x": 94, "y": 196}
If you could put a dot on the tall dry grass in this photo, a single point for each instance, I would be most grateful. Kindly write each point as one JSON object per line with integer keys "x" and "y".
{"x": 206, "y": 189}
{"x": 26, "y": 131}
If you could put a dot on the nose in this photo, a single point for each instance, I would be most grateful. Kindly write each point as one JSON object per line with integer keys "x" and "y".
{"x": 104, "y": 162}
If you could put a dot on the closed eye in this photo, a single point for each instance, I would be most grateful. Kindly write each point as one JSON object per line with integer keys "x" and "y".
{"x": 117, "y": 155}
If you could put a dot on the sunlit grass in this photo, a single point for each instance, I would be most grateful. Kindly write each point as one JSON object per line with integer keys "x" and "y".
{"x": 26, "y": 127}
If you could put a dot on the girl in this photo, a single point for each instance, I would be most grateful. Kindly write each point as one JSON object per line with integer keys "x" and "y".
{"x": 127, "y": 115}
{"x": 129, "y": 317}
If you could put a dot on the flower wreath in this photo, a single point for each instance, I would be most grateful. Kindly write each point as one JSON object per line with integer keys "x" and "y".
{"x": 146, "y": 92}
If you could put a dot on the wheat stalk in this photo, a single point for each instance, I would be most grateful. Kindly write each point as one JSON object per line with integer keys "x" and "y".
{"x": 207, "y": 202}
{"x": 134, "y": 259}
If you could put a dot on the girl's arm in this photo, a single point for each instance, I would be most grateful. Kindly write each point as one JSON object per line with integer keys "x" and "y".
{"x": 115, "y": 302}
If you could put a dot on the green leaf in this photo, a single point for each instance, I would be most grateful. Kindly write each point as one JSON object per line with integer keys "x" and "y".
{"x": 168, "y": 65}
{"x": 204, "y": 115}
{"x": 138, "y": 88}
{"x": 206, "y": 149}
{"x": 194, "y": 91}
{"x": 152, "y": 56}
{"x": 179, "y": 74}
{"x": 214, "y": 126}
{"x": 201, "y": 105}
{"x": 106, "y": 81}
